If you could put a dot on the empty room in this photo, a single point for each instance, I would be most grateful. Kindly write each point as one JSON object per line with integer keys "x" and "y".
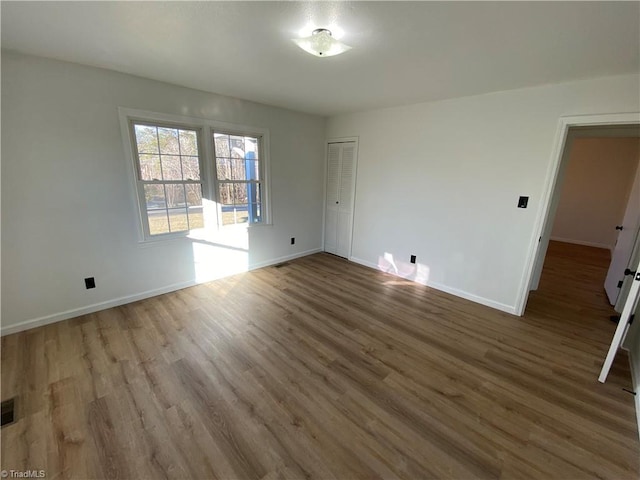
{"x": 330, "y": 240}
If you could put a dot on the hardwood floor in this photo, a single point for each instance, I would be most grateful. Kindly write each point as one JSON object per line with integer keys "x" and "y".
{"x": 322, "y": 368}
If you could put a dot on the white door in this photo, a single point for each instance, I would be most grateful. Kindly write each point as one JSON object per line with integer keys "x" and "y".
{"x": 624, "y": 246}
{"x": 629, "y": 307}
{"x": 341, "y": 178}
{"x": 333, "y": 198}
{"x": 628, "y": 278}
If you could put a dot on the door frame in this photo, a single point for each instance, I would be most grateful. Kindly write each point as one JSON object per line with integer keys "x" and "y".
{"x": 551, "y": 185}
{"x": 324, "y": 186}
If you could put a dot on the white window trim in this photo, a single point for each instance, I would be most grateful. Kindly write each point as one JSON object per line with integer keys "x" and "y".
{"x": 262, "y": 167}
{"x": 208, "y": 174}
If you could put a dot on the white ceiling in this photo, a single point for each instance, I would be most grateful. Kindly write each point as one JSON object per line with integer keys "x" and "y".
{"x": 403, "y": 52}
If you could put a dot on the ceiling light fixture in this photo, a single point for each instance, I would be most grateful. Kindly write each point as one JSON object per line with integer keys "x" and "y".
{"x": 321, "y": 44}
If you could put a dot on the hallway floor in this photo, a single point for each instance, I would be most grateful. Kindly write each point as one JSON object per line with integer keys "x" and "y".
{"x": 572, "y": 291}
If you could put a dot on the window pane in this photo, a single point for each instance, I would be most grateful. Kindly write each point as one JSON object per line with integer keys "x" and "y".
{"x": 226, "y": 194}
{"x": 233, "y": 193}
{"x": 251, "y": 148}
{"x": 169, "y": 157}
{"x": 178, "y": 219}
{"x": 150, "y": 167}
{"x": 253, "y": 193}
{"x": 188, "y": 142}
{"x": 223, "y": 168}
{"x": 154, "y": 197}
{"x": 146, "y": 139}
{"x": 194, "y": 194}
{"x": 234, "y": 214}
{"x": 194, "y": 202}
{"x": 158, "y": 222}
{"x": 196, "y": 219}
{"x": 221, "y": 145}
{"x": 238, "y": 171}
{"x": 191, "y": 168}
{"x": 175, "y": 195}
{"x": 237, "y": 146}
{"x": 255, "y": 212}
{"x": 252, "y": 170}
{"x": 239, "y": 193}
{"x": 171, "y": 167}
{"x": 168, "y": 138}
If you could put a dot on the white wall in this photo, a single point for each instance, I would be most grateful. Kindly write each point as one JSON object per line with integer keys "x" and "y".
{"x": 67, "y": 202}
{"x": 595, "y": 190}
{"x": 441, "y": 180}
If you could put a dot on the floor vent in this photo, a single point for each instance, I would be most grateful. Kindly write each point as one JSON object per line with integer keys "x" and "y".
{"x": 8, "y": 411}
{"x": 280, "y": 265}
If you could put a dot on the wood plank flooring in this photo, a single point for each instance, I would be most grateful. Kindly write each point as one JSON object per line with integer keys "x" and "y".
{"x": 326, "y": 369}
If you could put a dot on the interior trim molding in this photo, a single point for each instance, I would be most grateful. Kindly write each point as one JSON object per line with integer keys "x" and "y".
{"x": 580, "y": 242}
{"x": 96, "y": 307}
{"x": 446, "y": 289}
{"x": 285, "y": 258}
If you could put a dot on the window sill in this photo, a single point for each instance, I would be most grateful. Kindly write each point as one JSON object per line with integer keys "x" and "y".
{"x": 163, "y": 240}
{"x": 203, "y": 234}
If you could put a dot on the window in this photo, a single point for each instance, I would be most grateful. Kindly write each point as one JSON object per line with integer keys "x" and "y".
{"x": 195, "y": 174}
{"x": 239, "y": 179}
{"x": 169, "y": 178}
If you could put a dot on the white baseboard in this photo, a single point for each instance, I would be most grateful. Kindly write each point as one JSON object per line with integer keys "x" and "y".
{"x": 474, "y": 298}
{"x": 366, "y": 263}
{"x": 76, "y": 312}
{"x": 444, "y": 288}
{"x": 286, "y": 258}
{"x": 580, "y": 242}
{"x": 635, "y": 379}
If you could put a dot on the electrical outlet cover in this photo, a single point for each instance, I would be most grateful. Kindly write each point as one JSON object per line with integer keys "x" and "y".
{"x": 523, "y": 202}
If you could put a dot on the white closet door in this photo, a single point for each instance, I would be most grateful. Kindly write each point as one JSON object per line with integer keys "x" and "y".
{"x": 341, "y": 177}
{"x": 333, "y": 198}
{"x": 345, "y": 210}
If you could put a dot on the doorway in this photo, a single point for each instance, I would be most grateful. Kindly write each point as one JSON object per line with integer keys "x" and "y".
{"x": 569, "y": 128}
{"x": 342, "y": 155}
{"x": 598, "y": 207}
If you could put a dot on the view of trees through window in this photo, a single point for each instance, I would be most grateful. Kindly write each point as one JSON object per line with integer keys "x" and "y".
{"x": 169, "y": 170}
{"x": 170, "y": 177}
{"x": 239, "y": 180}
